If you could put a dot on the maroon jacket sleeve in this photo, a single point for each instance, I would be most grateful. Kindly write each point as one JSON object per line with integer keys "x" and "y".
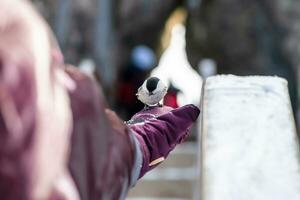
{"x": 159, "y": 135}
{"x": 102, "y": 152}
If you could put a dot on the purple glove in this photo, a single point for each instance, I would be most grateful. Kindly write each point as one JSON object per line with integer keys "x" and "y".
{"x": 149, "y": 113}
{"x": 159, "y": 134}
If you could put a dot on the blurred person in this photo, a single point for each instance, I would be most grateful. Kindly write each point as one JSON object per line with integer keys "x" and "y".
{"x": 174, "y": 67}
{"x": 142, "y": 60}
{"x": 58, "y": 139}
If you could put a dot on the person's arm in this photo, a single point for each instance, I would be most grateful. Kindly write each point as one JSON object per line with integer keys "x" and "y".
{"x": 102, "y": 149}
{"x": 160, "y": 135}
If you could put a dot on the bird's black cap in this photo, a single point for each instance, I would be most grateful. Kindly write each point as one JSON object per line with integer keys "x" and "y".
{"x": 152, "y": 83}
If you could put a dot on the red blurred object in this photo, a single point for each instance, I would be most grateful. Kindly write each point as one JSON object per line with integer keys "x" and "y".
{"x": 171, "y": 100}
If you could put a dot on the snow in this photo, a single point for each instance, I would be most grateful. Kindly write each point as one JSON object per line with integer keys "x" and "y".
{"x": 250, "y": 149}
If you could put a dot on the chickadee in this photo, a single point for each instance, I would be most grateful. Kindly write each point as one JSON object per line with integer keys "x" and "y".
{"x": 152, "y": 91}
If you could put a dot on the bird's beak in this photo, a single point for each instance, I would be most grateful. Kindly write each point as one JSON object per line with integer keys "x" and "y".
{"x": 137, "y": 94}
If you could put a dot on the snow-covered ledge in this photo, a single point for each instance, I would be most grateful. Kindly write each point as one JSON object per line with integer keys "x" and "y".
{"x": 249, "y": 148}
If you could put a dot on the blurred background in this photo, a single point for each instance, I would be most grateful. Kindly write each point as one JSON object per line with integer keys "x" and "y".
{"x": 121, "y": 41}
{"x": 243, "y": 37}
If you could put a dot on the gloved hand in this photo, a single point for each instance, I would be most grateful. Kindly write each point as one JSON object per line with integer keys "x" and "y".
{"x": 159, "y": 130}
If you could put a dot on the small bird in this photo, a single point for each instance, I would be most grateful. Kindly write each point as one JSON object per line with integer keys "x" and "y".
{"x": 152, "y": 92}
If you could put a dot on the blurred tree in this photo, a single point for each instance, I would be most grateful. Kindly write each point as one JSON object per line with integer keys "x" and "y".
{"x": 246, "y": 37}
